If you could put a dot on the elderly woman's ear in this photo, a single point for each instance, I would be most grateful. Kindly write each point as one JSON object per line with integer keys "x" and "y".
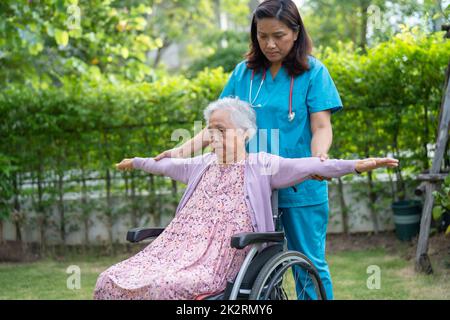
{"x": 249, "y": 134}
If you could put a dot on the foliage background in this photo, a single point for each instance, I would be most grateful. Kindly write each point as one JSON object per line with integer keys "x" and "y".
{"x": 84, "y": 84}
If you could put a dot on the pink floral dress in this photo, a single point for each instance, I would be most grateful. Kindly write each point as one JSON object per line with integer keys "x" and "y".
{"x": 193, "y": 256}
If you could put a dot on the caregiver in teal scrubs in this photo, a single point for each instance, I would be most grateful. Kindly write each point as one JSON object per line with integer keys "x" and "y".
{"x": 293, "y": 92}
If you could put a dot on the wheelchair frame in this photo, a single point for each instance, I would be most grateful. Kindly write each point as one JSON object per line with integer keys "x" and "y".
{"x": 257, "y": 240}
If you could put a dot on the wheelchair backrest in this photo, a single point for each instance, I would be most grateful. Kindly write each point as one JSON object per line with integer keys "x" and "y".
{"x": 274, "y": 201}
{"x": 275, "y": 211}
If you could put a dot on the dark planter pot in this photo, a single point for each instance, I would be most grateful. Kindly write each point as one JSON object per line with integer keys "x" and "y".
{"x": 407, "y": 216}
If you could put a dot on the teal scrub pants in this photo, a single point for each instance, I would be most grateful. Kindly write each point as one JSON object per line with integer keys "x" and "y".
{"x": 305, "y": 229}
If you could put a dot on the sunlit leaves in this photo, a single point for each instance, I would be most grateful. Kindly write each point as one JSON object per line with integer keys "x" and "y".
{"x": 39, "y": 37}
{"x": 61, "y": 37}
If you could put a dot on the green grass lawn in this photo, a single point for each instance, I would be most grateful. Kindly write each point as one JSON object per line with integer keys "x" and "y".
{"x": 46, "y": 279}
{"x": 398, "y": 278}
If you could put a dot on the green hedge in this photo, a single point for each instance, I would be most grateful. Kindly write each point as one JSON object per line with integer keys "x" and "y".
{"x": 391, "y": 95}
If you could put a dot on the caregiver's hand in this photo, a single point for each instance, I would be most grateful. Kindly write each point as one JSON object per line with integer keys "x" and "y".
{"x": 172, "y": 153}
{"x": 125, "y": 165}
{"x": 323, "y": 157}
{"x": 374, "y": 163}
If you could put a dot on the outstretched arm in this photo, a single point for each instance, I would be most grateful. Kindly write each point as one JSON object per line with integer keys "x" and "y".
{"x": 187, "y": 149}
{"x": 179, "y": 169}
{"x": 288, "y": 172}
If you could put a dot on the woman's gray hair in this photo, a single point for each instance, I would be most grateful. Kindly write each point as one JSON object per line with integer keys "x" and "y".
{"x": 241, "y": 113}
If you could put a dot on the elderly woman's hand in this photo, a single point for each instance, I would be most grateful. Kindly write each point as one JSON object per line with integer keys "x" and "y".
{"x": 374, "y": 163}
{"x": 125, "y": 165}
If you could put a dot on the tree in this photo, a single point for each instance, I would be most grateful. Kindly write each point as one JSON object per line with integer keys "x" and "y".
{"x": 368, "y": 22}
{"x": 6, "y": 191}
{"x": 116, "y": 38}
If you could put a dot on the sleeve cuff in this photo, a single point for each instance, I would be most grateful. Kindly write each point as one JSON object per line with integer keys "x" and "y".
{"x": 350, "y": 166}
{"x": 325, "y": 107}
{"x": 354, "y": 168}
{"x": 137, "y": 162}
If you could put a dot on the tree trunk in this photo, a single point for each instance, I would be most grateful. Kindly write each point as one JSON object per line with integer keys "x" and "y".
{"x": 174, "y": 193}
{"x": 1, "y": 232}
{"x": 372, "y": 201}
{"x": 152, "y": 197}
{"x": 134, "y": 213}
{"x": 151, "y": 186}
{"x": 444, "y": 90}
{"x": 426, "y": 132}
{"x": 440, "y": 20}
{"x": 17, "y": 227}
{"x": 160, "y": 51}
{"x": 401, "y": 188}
{"x": 364, "y": 5}
{"x": 110, "y": 221}
{"x": 42, "y": 220}
{"x": 447, "y": 156}
{"x": 62, "y": 222}
{"x": 425, "y": 142}
{"x": 84, "y": 210}
{"x": 17, "y": 222}
{"x": 108, "y": 211}
{"x": 344, "y": 208}
{"x": 372, "y": 195}
{"x": 391, "y": 184}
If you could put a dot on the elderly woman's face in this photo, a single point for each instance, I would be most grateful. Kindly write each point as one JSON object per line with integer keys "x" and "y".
{"x": 223, "y": 133}
{"x": 275, "y": 38}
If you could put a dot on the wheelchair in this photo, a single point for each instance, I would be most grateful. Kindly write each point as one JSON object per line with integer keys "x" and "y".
{"x": 269, "y": 272}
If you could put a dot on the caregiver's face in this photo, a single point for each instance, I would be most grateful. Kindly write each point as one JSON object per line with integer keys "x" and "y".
{"x": 275, "y": 38}
{"x": 223, "y": 133}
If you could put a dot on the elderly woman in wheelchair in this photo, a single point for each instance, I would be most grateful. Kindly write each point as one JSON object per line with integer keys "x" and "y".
{"x": 222, "y": 243}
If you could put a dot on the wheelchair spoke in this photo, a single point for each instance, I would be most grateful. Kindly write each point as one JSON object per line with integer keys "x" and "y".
{"x": 282, "y": 277}
{"x": 304, "y": 286}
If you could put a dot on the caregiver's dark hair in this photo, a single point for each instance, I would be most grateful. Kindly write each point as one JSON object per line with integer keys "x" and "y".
{"x": 285, "y": 11}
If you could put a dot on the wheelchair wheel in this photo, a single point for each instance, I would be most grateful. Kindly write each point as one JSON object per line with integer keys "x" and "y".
{"x": 277, "y": 279}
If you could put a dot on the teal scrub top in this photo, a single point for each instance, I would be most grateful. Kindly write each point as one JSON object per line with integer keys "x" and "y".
{"x": 313, "y": 91}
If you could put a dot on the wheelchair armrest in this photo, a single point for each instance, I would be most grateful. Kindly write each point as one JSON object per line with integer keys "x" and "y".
{"x": 139, "y": 234}
{"x": 241, "y": 240}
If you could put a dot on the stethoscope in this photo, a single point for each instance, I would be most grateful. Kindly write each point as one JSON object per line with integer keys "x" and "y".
{"x": 291, "y": 114}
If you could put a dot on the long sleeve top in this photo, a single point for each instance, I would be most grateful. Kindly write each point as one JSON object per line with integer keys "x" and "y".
{"x": 264, "y": 172}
